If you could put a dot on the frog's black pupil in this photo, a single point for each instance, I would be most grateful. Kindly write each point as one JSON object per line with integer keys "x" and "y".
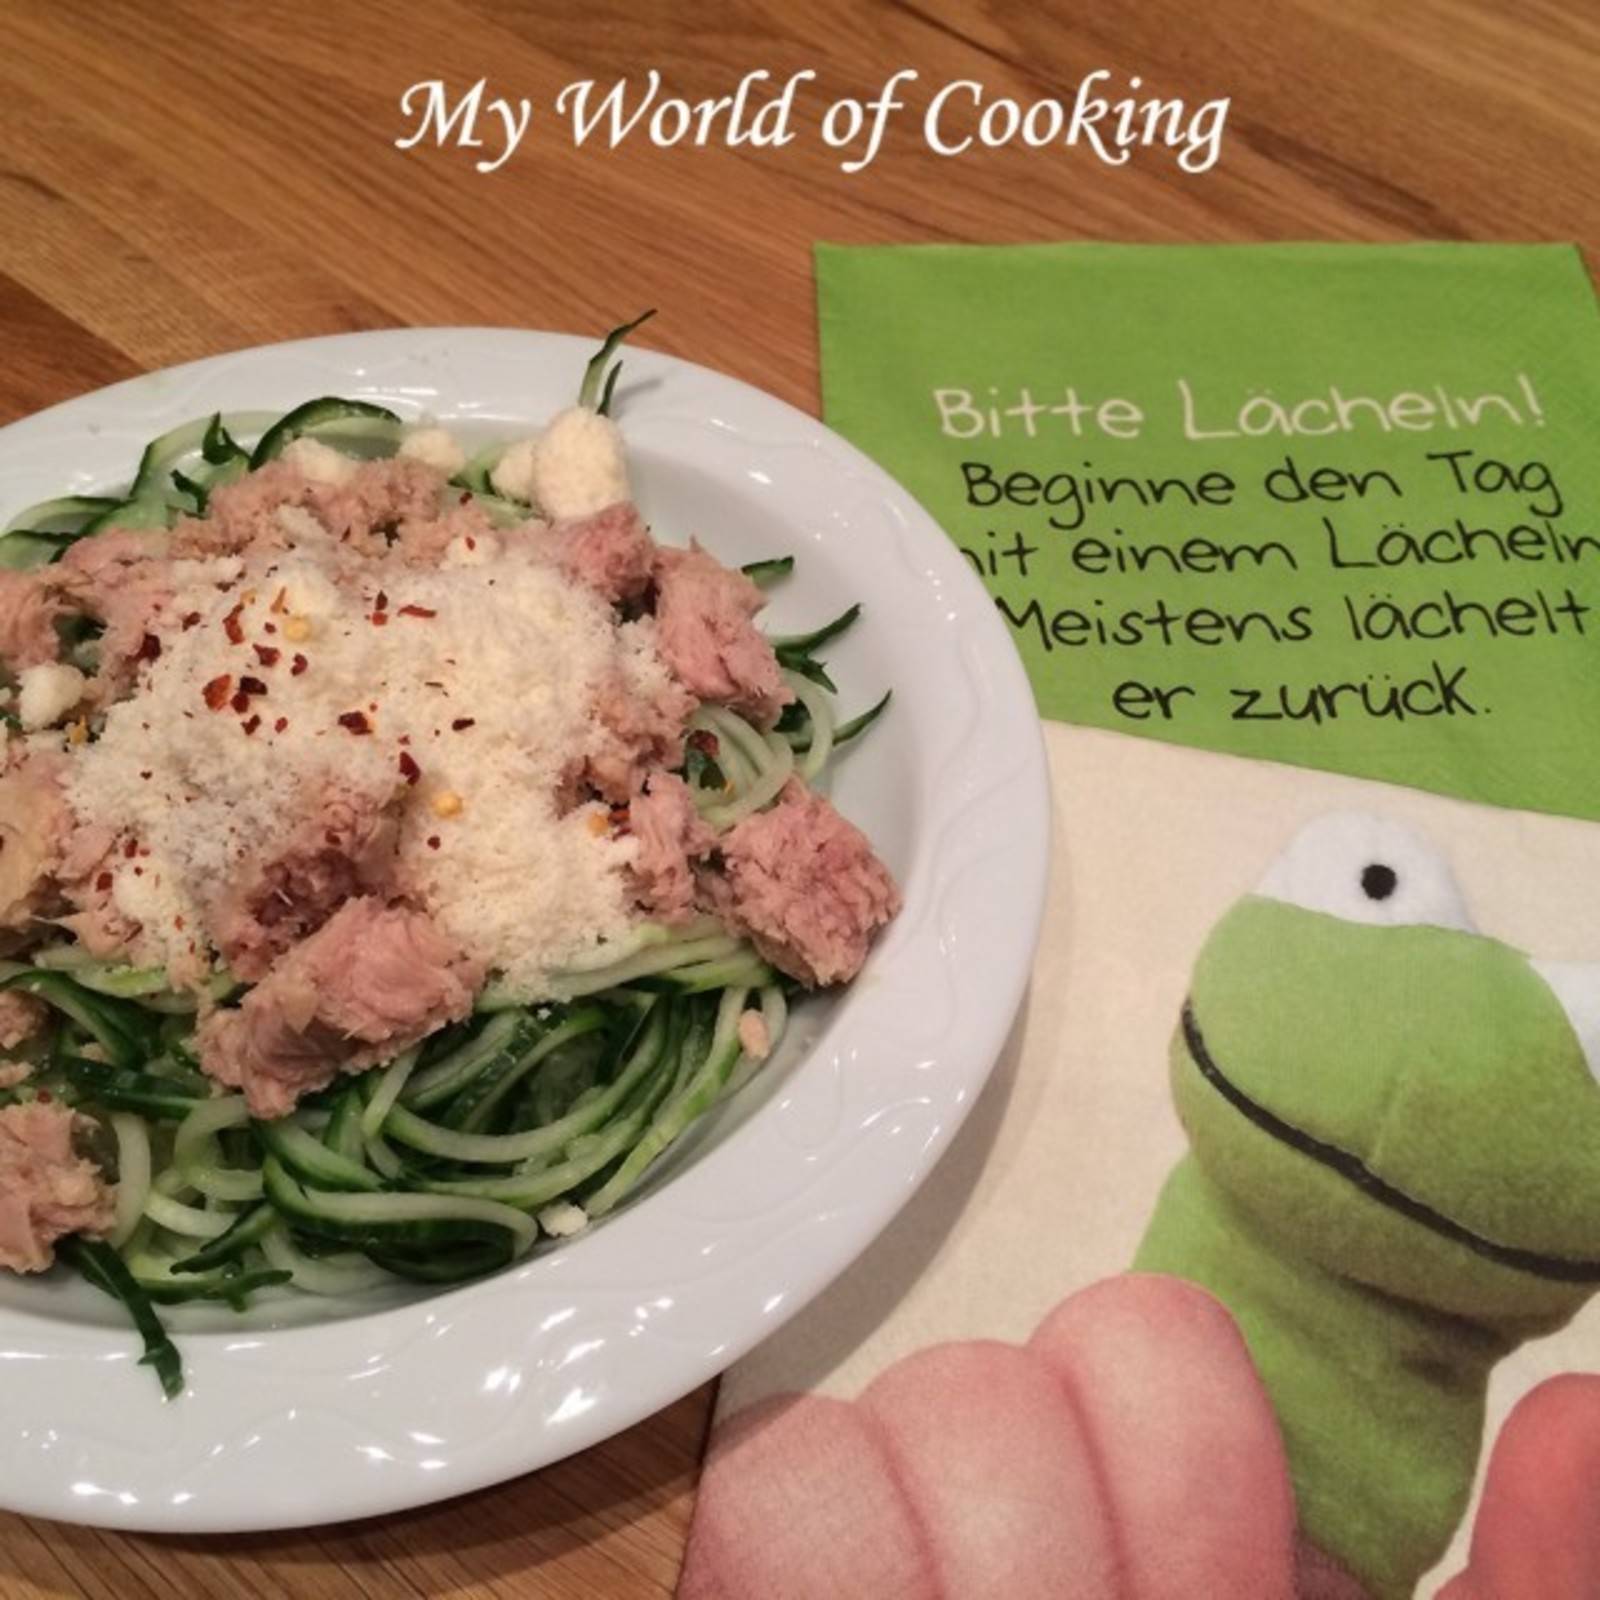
{"x": 1378, "y": 882}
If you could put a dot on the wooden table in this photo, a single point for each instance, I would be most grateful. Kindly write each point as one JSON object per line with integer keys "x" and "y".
{"x": 180, "y": 180}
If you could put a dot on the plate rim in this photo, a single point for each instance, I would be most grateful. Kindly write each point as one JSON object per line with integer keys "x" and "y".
{"x": 1028, "y": 826}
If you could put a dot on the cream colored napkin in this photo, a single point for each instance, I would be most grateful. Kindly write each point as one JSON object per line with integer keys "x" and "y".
{"x": 1049, "y": 1186}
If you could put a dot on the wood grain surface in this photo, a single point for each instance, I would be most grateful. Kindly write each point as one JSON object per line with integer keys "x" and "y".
{"x": 185, "y": 178}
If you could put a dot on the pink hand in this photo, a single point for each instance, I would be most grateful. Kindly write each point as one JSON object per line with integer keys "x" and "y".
{"x": 1128, "y": 1452}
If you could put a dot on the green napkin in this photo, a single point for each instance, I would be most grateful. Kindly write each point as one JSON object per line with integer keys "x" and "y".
{"x": 1334, "y": 505}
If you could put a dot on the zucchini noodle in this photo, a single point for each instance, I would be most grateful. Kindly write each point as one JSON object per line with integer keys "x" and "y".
{"x": 176, "y": 1217}
{"x": 381, "y": 1157}
{"x": 133, "y": 1173}
{"x": 775, "y": 1020}
{"x": 768, "y": 759}
{"x": 345, "y": 1273}
{"x": 389, "y": 1089}
{"x": 198, "y": 1158}
{"x": 822, "y": 724}
{"x": 648, "y": 963}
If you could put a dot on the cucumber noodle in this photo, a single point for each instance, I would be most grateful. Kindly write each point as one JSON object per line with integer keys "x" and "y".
{"x": 433, "y": 1168}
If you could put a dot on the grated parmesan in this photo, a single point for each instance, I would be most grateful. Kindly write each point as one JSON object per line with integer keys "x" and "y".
{"x": 321, "y": 463}
{"x": 46, "y": 693}
{"x": 563, "y": 1219}
{"x": 578, "y": 466}
{"x": 472, "y": 684}
{"x": 437, "y": 447}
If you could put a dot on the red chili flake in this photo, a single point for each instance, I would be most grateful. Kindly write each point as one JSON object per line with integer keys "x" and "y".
{"x": 131, "y": 849}
{"x": 44, "y": 1098}
{"x": 190, "y": 620}
{"x": 250, "y": 724}
{"x": 145, "y": 776}
{"x": 379, "y": 619}
{"x": 230, "y": 624}
{"x": 704, "y": 741}
{"x": 268, "y": 654}
{"x": 280, "y": 724}
{"x": 409, "y": 770}
{"x": 252, "y": 686}
{"x": 179, "y": 924}
{"x": 356, "y": 722}
{"x": 433, "y": 841}
{"x": 149, "y": 648}
{"x": 418, "y": 611}
{"x": 472, "y": 544}
{"x": 381, "y": 603}
{"x": 298, "y": 666}
{"x": 138, "y": 872}
{"x": 240, "y": 702}
{"x": 217, "y": 691}
{"x": 270, "y": 627}
{"x": 103, "y": 883}
{"x": 461, "y": 724}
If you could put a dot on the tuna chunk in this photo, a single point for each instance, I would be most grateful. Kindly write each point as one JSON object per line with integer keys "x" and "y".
{"x": 34, "y": 825}
{"x": 97, "y": 565}
{"x": 345, "y": 846}
{"x": 611, "y": 552}
{"x": 423, "y": 541}
{"x": 260, "y": 1049}
{"x": 703, "y": 612}
{"x": 360, "y": 511}
{"x": 29, "y": 606}
{"x": 21, "y": 1016}
{"x": 754, "y": 1037}
{"x": 378, "y": 497}
{"x": 124, "y": 578}
{"x": 671, "y": 837}
{"x": 371, "y": 981}
{"x": 803, "y": 883}
{"x": 243, "y": 515}
{"x": 639, "y": 726}
{"x": 46, "y": 1189}
{"x": 86, "y": 877}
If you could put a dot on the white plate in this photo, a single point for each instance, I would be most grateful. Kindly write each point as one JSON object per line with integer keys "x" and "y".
{"x": 314, "y": 1412}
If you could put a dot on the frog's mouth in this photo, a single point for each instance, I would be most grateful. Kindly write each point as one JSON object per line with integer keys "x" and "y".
{"x": 1355, "y": 1171}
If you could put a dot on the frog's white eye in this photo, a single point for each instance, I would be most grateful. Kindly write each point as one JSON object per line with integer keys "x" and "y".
{"x": 1367, "y": 869}
{"x": 1576, "y": 985}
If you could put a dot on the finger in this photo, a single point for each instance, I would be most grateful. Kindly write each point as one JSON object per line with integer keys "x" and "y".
{"x": 1184, "y": 1435}
{"x": 991, "y": 1457}
{"x": 1538, "y": 1528}
{"x": 798, "y": 1501}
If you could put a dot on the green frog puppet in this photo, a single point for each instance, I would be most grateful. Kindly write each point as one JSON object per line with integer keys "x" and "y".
{"x": 1393, "y": 1178}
